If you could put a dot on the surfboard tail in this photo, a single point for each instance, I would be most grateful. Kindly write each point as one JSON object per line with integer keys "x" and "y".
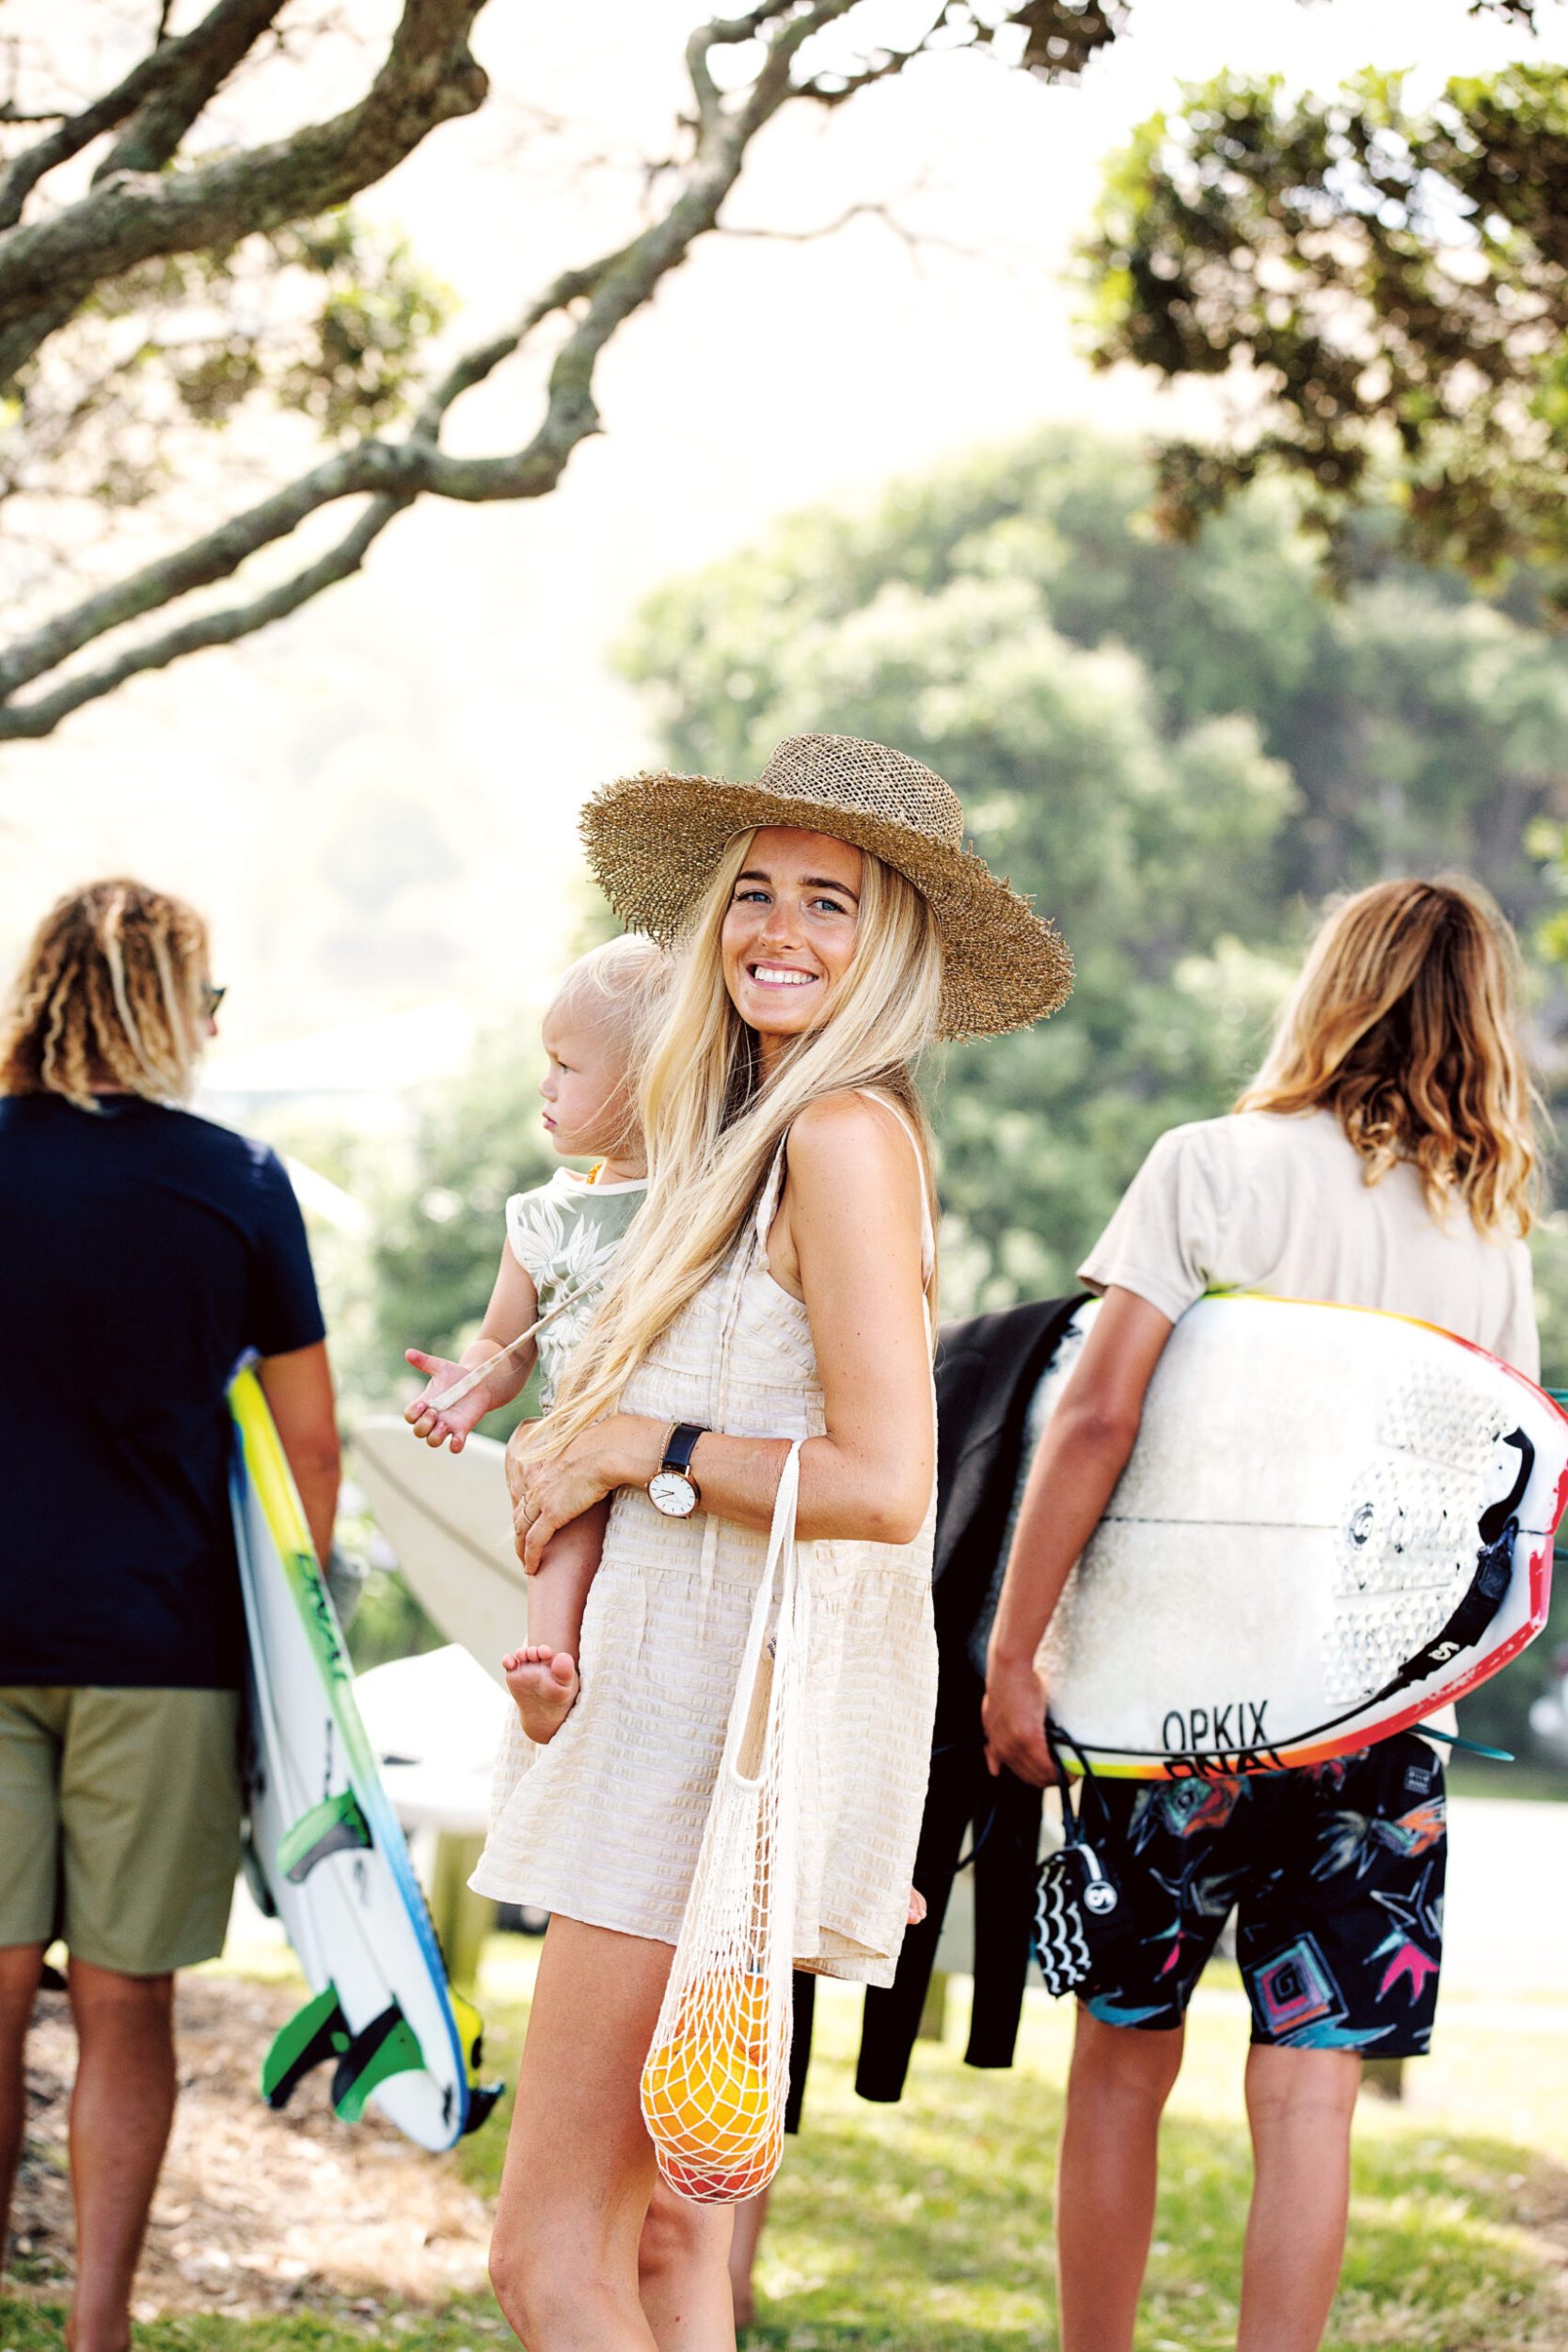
{"x": 387, "y": 2046}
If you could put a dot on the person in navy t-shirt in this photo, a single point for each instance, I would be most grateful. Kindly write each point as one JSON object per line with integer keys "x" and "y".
{"x": 144, "y": 1252}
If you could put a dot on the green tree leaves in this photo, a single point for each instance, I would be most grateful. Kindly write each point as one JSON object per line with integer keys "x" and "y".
{"x": 1394, "y": 279}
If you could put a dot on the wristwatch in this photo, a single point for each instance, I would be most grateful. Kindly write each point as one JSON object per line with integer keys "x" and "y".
{"x": 671, "y": 1488}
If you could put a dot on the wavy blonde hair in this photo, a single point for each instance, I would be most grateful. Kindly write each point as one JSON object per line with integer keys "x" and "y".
{"x": 110, "y": 993}
{"x": 1404, "y": 1023}
{"x": 712, "y": 1126}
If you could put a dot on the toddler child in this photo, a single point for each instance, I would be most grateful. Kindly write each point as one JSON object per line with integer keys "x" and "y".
{"x": 559, "y": 1240}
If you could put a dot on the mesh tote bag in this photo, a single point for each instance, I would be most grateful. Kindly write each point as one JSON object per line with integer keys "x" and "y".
{"x": 716, "y": 2075}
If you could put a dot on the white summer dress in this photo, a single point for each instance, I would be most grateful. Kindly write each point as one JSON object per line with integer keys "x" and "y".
{"x": 604, "y": 1823}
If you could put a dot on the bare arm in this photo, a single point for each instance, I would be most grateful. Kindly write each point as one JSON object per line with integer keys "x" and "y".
{"x": 1083, "y": 1453}
{"x": 299, "y": 1390}
{"x": 851, "y": 1226}
{"x": 514, "y": 1306}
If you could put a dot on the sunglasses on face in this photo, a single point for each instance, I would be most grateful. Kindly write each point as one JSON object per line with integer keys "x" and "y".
{"x": 211, "y": 998}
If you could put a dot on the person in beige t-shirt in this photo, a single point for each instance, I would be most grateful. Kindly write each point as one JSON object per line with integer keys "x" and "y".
{"x": 1381, "y": 1158}
{"x": 1273, "y": 1202}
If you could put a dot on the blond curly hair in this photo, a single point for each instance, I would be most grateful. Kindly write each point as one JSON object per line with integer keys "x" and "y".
{"x": 1405, "y": 1025}
{"x": 110, "y": 994}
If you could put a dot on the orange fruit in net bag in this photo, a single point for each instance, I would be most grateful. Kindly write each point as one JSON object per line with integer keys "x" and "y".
{"x": 704, "y": 2107}
{"x": 705, "y": 2090}
{"x": 701, "y": 2184}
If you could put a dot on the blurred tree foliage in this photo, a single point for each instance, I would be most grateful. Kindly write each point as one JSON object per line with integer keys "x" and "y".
{"x": 1177, "y": 748}
{"x": 328, "y": 321}
{"x": 1395, "y": 279}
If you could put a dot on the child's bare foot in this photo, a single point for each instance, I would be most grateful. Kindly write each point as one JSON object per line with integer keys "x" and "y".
{"x": 543, "y": 1682}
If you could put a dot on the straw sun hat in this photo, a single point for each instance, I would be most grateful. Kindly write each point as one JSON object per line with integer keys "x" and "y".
{"x": 654, "y": 841}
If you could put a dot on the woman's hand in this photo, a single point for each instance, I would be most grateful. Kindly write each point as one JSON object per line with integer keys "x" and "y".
{"x": 454, "y": 1424}
{"x": 1013, "y": 1713}
{"x": 547, "y": 1494}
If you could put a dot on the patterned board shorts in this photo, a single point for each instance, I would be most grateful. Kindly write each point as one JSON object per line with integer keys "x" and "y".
{"x": 1334, "y": 1872}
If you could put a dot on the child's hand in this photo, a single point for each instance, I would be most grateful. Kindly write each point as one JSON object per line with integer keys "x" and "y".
{"x": 453, "y": 1425}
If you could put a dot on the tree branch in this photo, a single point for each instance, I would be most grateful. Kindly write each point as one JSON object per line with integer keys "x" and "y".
{"x": 396, "y": 472}
{"x": 915, "y": 241}
{"x": 596, "y": 299}
{"x": 833, "y": 89}
{"x": 50, "y": 267}
{"x": 208, "y": 57}
{"x": 229, "y": 22}
{"x": 43, "y": 715}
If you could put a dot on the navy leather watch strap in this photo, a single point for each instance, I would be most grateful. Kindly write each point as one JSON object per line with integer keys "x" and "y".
{"x": 680, "y": 1446}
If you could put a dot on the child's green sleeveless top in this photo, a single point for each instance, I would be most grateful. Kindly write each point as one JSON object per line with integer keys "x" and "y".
{"x": 564, "y": 1235}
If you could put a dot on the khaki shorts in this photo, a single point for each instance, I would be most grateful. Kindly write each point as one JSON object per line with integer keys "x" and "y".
{"x": 120, "y": 1822}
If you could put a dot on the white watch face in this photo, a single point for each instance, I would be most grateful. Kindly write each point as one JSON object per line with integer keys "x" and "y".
{"x": 671, "y": 1492}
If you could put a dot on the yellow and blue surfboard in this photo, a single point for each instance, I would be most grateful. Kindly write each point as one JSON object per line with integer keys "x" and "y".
{"x": 331, "y": 1854}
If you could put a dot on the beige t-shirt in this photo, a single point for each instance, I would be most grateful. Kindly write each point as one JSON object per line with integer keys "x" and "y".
{"x": 1266, "y": 1203}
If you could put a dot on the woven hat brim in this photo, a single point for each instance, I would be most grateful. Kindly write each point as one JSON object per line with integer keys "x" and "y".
{"x": 653, "y": 840}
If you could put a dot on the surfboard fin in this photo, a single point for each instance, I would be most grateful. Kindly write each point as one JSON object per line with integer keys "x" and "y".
{"x": 317, "y": 2032}
{"x": 255, "y": 1877}
{"x": 471, "y": 2032}
{"x": 386, "y": 2046}
{"x": 482, "y": 2102}
{"x": 336, "y": 1825}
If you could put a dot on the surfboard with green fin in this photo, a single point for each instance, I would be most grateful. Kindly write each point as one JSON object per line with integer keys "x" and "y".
{"x": 332, "y": 1858}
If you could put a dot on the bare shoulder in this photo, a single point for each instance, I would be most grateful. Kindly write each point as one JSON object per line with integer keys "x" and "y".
{"x": 850, "y": 1139}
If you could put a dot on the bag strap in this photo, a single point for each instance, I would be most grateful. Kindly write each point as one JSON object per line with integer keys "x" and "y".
{"x": 777, "y": 1573}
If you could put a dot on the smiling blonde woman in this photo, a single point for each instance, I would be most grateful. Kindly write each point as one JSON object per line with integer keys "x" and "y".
{"x": 778, "y": 1285}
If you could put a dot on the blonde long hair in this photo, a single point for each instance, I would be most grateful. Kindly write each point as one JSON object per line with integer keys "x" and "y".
{"x": 712, "y": 1127}
{"x": 1404, "y": 1023}
{"x": 109, "y": 993}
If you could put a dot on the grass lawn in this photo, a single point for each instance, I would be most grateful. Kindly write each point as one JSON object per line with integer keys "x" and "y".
{"x": 926, "y": 2227}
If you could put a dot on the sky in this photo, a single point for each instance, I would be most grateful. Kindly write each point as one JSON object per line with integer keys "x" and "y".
{"x": 453, "y": 706}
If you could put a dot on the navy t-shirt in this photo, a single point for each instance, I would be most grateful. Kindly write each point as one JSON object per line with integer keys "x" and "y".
{"x": 142, "y": 1250}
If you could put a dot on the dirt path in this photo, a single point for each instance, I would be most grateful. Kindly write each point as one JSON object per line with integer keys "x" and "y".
{"x": 256, "y": 2211}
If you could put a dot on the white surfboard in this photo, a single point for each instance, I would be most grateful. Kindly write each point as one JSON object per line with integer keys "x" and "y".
{"x": 449, "y": 1521}
{"x": 1314, "y": 1493}
{"x": 435, "y": 1722}
{"x": 333, "y": 1861}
